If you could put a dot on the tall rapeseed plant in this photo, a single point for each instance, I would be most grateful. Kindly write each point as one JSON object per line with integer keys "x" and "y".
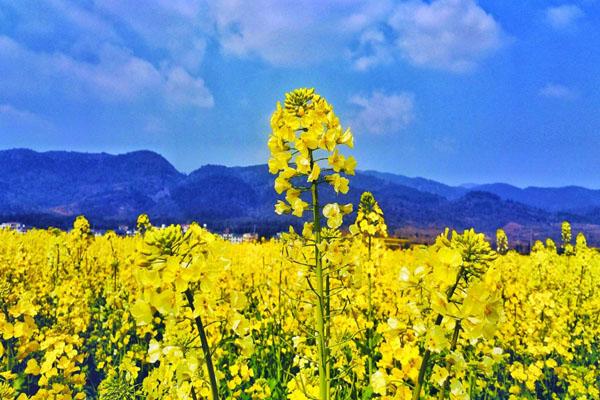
{"x": 304, "y": 143}
{"x": 368, "y": 226}
{"x": 501, "y": 241}
{"x": 171, "y": 266}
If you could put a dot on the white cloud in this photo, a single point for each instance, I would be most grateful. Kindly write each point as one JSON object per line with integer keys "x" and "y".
{"x": 124, "y": 52}
{"x": 182, "y": 88}
{"x": 137, "y": 63}
{"x": 373, "y": 50}
{"x": 12, "y": 117}
{"x": 114, "y": 51}
{"x": 445, "y": 34}
{"x": 87, "y": 21}
{"x": 291, "y": 33}
{"x": 382, "y": 113}
{"x": 180, "y": 28}
{"x": 558, "y": 91}
{"x": 13, "y": 112}
{"x": 564, "y": 16}
{"x": 68, "y": 25}
{"x": 116, "y": 76}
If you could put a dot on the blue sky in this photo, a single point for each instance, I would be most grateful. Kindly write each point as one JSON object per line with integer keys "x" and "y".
{"x": 453, "y": 90}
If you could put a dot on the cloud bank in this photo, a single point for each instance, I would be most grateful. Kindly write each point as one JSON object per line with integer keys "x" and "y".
{"x": 564, "y": 16}
{"x": 381, "y": 113}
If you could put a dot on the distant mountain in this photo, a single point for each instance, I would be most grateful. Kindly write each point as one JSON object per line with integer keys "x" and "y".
{"x": 568, "y": 198}
{"x": 51, "y": 188}
{"x": 422, "y": 184}
{"x": 562, "y": 199}
{"x": 68, "y": 183}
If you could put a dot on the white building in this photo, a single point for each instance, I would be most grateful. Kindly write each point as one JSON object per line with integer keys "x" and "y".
{"x": 16, "y": 226}
{"x": 232, "y": 237}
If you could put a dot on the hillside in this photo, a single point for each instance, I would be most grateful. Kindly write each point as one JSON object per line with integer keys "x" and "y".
{"x": 51, "y": 188}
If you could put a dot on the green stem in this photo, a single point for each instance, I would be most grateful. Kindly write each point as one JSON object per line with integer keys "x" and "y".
{"x": 205, "y": 348}
{"x": 455, "y": 335}
{"x": 579, "y": 291}
{"x": 427, "y": 355}
{"x": 322, "y": 339}
{"x": 57, "y": 266}
{"x": 115, "y": 274}
{"x": 279, "y": 329}
{"x": 370, "y": 315}
{"x": 329, "y": 365}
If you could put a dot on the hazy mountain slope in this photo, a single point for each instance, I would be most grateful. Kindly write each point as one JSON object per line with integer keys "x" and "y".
{"x": 422, "y": 184}
{"x": 53, "y": 187}
{"x": 568, "y": 198}
{"x": 68, "y": 183}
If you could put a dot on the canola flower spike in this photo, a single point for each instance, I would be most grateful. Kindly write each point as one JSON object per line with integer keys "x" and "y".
{"x": 369, "y": 218}
{"x": 567, "y": 237}
{"x": 81, "y": 227}
{"x": 143, "y": 224}
{"x": 501, "y": 242}
{"x": 369, "y": 225}
{"x": 305, "y": 145}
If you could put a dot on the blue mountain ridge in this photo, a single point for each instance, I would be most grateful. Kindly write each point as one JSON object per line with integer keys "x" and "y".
{"x": 51, "y": 188}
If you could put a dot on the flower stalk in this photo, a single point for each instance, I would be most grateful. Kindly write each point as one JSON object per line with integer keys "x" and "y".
{"x": 322, "y": 321}
{"x": 304, "y": 144}
{"x": 214, "y": 387}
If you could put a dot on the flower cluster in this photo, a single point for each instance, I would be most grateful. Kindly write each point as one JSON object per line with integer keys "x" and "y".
{"x": 304, "y": 145}
{"x": 369, "y": 218}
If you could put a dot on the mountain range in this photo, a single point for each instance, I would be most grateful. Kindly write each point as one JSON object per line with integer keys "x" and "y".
{"x": 51, "y": 188}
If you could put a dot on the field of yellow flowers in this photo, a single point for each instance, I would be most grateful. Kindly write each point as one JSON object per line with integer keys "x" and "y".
{"x": 325, "y": 313}
{"x": 115, "y": 318}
